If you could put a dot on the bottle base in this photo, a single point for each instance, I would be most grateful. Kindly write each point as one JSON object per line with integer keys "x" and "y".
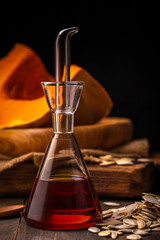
{"x": 66, "y": 205}
{"x": 41, "y": 225}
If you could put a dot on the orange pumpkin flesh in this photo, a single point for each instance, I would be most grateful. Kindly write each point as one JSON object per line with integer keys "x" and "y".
{"x": 95, "y": 102}
{"x": 22, "y": 101}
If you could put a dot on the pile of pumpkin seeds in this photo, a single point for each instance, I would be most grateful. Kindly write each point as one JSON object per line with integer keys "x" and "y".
{"x": 108, "y": 159}
{"x": 135, "y": 220}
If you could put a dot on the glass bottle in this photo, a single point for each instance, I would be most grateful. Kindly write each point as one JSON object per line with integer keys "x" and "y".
{"x": 63, "y": 196}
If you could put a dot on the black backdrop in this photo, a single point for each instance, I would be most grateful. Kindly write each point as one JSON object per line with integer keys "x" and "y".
{"x": 118, "y": 45}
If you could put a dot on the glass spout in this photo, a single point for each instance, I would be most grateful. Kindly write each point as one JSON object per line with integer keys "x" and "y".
{"x": 68, "y": 33}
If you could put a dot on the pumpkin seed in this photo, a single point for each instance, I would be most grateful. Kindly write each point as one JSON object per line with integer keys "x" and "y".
{"x": 150, "y": 199}
{"x": 149, "y": 194}
{"x": 141, "y": 224}
{"x": 124, "y": 226}
{"x": 109, "y": 211}
{"x": 149, "y": 215}
{"x": 104, "y": 233}
{"x": 140, "y": 232}
{"x": 130, "y": 221}
{"x": 106, "y": 157}
{"x": 156, "y": 229}
{"x": 113, "y": 222}
{"x": 93, "y": 229}
{"x": 134, "y": 237}
{"x": 114, "y": 234}
{"x": 113, "y": 204}
{"x": 101, "y": 224}
{"x": 139, "y": 218}
{"x": 148, "y": 229}
{"x": 157, "y": 211}
{"x": 107, "y": 163}
{"x": 112, "y": 226}
{"x": 158, "y": 197}
{"x": 126, "y": 159}
{"x": 107, "y": 215}
{"x": 148, "y": 223}
{"x": 157, "y": 205}
{"x": 105, "y": 227}
{"x": 146, "y": 218}
{"x": 127, "y": 230}
{"x": 153, "y": 212}
{"x": 124, "y": 162}
{"x": 144, "y": 160}
{"x": 155, "y": 225}
{"x": 92, "y": 159}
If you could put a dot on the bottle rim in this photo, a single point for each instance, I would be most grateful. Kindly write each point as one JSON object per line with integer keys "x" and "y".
{"x": 62, "y": 83}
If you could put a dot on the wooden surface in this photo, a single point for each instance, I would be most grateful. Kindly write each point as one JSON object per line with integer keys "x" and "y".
{"x": 123, "y": 181}
{"x": 15, "y": 228}
{"x": 110, "y": 181}
{"x": 9, "y": 226}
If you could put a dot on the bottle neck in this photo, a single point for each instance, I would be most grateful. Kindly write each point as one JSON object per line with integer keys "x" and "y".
{"x": 63, "y": 122}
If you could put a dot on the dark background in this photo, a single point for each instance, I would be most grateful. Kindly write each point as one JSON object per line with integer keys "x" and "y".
{"x": 118, "y": 45}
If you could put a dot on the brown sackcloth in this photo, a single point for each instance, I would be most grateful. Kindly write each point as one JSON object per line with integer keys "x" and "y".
{"x": 17, "y": 174}
{"x": 135, "y": 148}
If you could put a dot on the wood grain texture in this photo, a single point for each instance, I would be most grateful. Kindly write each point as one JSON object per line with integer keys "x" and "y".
{"x": 110, "y": 181}
{"x": 106, "y": 134}
{"x": 9, "y": 226}
{"x": 27, "y": 233}
{"x": 18, "y": 181}
{"x": 123, "y": 181}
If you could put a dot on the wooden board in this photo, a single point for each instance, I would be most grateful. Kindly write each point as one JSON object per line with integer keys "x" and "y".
{"x": 111, "y": 181}
{"x": 123, "y": 181}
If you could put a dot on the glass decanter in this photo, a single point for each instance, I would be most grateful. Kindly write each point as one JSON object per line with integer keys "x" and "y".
{"x": 63, "y": 196}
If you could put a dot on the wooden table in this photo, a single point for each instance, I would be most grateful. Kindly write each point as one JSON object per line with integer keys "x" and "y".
{"x": 15, "y": 228}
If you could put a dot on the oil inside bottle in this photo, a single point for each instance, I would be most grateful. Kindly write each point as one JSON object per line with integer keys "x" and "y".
{"x": 63, "y": 202}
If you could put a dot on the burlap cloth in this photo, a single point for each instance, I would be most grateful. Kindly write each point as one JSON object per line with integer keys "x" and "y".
{"x": 7, "y": 162}
{"x": 137, "y": 148}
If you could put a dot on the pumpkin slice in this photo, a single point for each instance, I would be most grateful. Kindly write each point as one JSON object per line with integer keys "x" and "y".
{"x": 22, "y": 101}
{"x": 95, "y": 102}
